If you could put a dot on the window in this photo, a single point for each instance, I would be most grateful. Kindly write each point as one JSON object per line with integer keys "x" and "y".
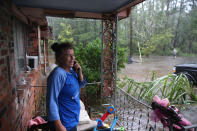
{"x": 19, "y": 42}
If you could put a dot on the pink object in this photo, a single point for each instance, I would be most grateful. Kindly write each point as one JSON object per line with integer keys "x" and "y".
{"x": 164, "y": 102}
{"x": 36, "y": 121}
{"x": 157, "y": 115}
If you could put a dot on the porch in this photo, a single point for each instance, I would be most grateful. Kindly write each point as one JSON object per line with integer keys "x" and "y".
{"x": 24, "y": 39}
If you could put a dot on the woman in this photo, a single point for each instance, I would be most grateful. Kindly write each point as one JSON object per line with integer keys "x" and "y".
{"x": 63, "y": 83}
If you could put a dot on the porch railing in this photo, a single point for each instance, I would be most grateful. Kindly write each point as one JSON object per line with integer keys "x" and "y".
{"x": 133, "y": 115}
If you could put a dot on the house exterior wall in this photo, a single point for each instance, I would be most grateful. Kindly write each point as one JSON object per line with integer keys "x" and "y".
{"x": 18, "y": 103}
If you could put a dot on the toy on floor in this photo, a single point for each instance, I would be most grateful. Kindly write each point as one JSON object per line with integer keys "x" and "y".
{"x": 110, "y": 111}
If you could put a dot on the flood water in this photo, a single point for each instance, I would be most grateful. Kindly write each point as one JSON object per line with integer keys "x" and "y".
{"x": 162, "y": 65}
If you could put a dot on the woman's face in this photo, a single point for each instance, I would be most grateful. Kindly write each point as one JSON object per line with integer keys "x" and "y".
{"x": 67, "y": 58}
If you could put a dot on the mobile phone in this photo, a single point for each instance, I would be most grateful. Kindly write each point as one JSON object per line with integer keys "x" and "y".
{"x": 74, "y": 68}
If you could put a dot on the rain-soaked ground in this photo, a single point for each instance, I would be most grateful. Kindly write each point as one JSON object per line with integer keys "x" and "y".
{"x": 162, "y": 65}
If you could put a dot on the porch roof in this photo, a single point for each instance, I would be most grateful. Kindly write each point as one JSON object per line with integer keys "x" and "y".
{"x": 93, "y": 9}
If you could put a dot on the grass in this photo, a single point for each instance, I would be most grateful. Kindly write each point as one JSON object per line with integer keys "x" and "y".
{"x": 174, "y": 87}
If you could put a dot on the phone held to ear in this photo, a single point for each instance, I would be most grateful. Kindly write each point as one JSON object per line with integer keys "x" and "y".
{"x": 74, "y": 67}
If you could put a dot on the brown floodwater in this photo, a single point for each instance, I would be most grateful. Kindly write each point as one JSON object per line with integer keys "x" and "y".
{"x": 162, "y": 65}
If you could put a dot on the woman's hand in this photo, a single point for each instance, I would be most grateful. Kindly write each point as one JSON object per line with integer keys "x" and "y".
{"x": 77, "y": 68}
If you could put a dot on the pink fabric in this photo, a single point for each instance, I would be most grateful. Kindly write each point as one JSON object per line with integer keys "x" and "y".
{"x": 156, "y": 115}
{"x": 36, "y": 121}
{"x": 164, "y": 102}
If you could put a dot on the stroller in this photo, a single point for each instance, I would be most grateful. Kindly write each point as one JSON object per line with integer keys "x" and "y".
{"x": 169, "y": 116}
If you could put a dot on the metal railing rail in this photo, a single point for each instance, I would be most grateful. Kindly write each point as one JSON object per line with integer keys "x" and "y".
{"x": 133, "y": 115}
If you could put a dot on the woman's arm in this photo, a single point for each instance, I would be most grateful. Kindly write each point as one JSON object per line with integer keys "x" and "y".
{"x": 59, "y": 126}
{"x": 55, "y": 83}
{"x": 81, "y": 75}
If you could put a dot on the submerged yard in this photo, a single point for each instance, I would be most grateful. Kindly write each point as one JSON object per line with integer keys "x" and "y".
{"x": 162, "y": 65}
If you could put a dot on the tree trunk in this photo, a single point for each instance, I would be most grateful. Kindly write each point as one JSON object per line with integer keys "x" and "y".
{"x": 177, "y": 26}
{"x": 95, "y": 29}
{"x": 131, "y": 43}
{"x": 167, "y": 13}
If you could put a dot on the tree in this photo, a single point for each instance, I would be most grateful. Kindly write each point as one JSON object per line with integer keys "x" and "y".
{"x": 65, "y": 34}
{"x": 131, "y": 43}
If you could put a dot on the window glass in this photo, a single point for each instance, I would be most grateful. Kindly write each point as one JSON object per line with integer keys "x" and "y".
{"x": 19, "y": 41}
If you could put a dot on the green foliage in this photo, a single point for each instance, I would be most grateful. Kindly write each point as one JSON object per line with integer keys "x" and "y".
{"x": 148, "y": 48}
{"x": 123, "y": 33}
{"x": 194, "y": 22}
{"x": 86, "y": 36}
{"x": 158, "y": 44}
{"x": 162, "y": 41}
{"x": 89, "y": 57}
{"x": 121, "y": 57}
{"x": 159, "y": 28}
{"x": 174, "y": 87}
{"x": 195, "y": 47}
{"x": 75, "y": 30}
{"x": 65, "y": 34}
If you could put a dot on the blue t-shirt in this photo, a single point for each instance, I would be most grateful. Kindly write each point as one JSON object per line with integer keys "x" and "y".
{"x": 62, "y": 100}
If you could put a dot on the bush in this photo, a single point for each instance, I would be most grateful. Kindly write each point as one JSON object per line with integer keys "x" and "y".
{"x": 174, "y": 87}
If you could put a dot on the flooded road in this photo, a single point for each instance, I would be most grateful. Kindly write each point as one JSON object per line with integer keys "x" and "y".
{"x": 162, "y": 65}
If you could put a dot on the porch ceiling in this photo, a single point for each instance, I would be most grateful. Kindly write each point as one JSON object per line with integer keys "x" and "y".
{"x": 93, "y": 9}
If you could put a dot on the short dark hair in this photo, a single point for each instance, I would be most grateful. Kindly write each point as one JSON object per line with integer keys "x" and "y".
{"x": 58, "y": 48}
